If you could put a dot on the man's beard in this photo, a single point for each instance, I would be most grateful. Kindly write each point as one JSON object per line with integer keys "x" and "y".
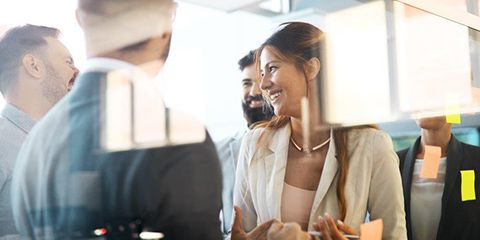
{"x": 51, "y": 87}
{"x": 254, "y": 115}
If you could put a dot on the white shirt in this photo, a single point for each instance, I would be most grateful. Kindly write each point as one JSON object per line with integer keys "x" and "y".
{"x": 296, "y": 204}
{"x": 426, "y": 201}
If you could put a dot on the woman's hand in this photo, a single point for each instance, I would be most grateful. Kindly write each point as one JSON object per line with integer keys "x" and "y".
{"x": 287, "y": 231}
{"x": 331, "y": 230}
{"x": 258, "y": 233}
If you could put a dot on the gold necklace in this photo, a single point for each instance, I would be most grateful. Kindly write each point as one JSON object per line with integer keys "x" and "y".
{"x": 300, "y": 149}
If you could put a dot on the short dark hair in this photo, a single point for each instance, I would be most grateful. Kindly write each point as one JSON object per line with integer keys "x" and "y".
{"x": 15, "y": 44}
{"x": 247, "y": 60}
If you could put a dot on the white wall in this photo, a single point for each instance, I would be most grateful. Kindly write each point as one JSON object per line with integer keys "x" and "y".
{"x": 206, "y": 47}
{"x": 61, "y": 16}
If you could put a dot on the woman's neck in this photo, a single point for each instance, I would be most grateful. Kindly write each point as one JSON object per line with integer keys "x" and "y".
{"x": 316, "y": 136}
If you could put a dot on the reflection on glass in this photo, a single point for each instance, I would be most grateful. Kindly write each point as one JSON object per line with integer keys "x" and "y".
{"x": 355, "y": 67}
{"x": 433, "y": 61}
{"x": 136, "y": 116}
{"x": 118, "y": 127}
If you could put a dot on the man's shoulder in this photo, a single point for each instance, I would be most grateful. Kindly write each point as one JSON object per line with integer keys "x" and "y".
{"x": 10, "y": 143}
{"x": 55, "y": 120}
{"x": 226, "y": 141}
{"x": 11, "y": 140}
{"x": 7, "y": 128}
{"x": 49, "y": 133}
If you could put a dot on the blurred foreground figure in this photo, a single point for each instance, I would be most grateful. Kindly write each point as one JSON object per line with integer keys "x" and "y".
{"x": 36, "y": 71}
{"x": 67, "y": 185}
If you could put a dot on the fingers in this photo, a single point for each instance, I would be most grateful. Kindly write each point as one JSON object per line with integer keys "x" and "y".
{"x": 329, "y": 230}
{"x": 293, "y": 231}
{"x": 345, "y": 228}
{"x": 237, "y": 226}
{"x": 332, "y": 227}
{"x": 274, "y": 229}
{"x": 323, "y": 229}
{"x": 260, "y": 232}
{"x": 292, "y": 227}
{"x": 287, "y": 231}
{"x": 316, "y": 226}
{"x": 266, "y": 225}
{"x": 237, "y": 221}
{"x": 305, "y": 236}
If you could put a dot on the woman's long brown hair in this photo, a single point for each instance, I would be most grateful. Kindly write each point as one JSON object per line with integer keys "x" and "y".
{"x": 298, "y": 42}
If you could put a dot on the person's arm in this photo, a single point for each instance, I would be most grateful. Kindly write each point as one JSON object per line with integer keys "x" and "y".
{"x": 258, "y": 233}
{"x": 385, "y": 199}
{"x": 241, "y": 195}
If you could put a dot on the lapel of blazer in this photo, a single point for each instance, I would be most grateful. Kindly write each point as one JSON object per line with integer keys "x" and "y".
{"x": 329, "y": 172}
{"x": 454, "y": 158}
{"x": 407, "y": 171}
{"x": 275, "y": 164}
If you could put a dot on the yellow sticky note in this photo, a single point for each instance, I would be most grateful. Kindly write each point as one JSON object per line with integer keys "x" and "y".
{"x": 431, "y": 161}
{"x": 468, "y": 185}
{"x": 454, "y": 118}
{"x": 372, "y": 230}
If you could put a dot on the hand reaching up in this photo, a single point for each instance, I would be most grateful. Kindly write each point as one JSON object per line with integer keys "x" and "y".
{"x": 258, "y": 233}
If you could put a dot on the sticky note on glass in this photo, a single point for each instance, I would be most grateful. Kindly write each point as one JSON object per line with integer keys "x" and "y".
{"x": 454, "y": 119}
{"x": 372, "y": 230}
{"x": 431, "y": 161}
{"x": 468, "y": 185}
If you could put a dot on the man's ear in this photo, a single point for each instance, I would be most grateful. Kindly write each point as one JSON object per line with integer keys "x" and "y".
{"x": 312, "y": 68}
{"x": 166, "y": 35}
{"x": 32, "y": 65}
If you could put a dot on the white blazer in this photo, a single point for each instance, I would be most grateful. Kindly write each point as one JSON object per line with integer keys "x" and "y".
{"x": 373, "y": 183}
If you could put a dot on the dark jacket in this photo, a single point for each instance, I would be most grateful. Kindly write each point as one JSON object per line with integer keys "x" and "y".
{"x": 66, "y": 186}
{"x": 459, "y": 220}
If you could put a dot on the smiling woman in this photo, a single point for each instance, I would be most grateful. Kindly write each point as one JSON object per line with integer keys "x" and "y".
{"x": 275, "y": 176}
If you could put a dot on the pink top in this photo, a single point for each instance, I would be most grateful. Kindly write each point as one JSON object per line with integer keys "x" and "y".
{"x": 296, "y": 205}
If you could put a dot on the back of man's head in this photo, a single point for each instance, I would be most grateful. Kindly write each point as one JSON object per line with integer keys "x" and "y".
{"x": 111, "y": 25}
{"x": 15, "y": 44}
